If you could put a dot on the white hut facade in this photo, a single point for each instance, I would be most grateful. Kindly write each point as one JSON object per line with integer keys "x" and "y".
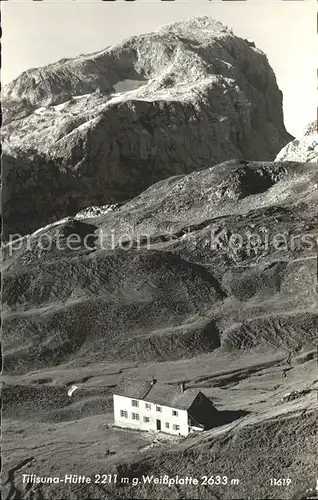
{"x": 149, "y": 406}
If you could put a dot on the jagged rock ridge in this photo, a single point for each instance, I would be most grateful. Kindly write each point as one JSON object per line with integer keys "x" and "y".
{"x": 109, "y": 124}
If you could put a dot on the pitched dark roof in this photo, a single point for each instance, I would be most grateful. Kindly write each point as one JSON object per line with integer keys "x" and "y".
{"x": 133, "y": 388}
{"x": 160, "y": 394}
{"x": 168, "y": 395}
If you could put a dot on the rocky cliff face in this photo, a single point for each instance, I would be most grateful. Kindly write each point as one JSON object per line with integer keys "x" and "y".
{"x": 304, "y": 148}
{"x": 102, "y": 127}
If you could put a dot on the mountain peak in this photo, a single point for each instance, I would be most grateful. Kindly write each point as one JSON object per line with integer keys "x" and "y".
{"x": 197, "y": 23}
{"x": 303, "y": 148}
{"x": 177, "y": 100}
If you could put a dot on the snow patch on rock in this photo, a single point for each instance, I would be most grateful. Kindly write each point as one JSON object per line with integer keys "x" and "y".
{"x": 126, "y": 85}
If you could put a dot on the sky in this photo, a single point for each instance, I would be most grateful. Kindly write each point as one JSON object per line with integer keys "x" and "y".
{"x": 38, "y": 33}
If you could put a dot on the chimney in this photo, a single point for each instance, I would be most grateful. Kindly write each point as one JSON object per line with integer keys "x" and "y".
{"x": 153, "y": 381}
{"x": 182, "y": 386}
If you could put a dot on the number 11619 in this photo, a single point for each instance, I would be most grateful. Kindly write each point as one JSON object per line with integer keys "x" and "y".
{"x": 280, "y": 481}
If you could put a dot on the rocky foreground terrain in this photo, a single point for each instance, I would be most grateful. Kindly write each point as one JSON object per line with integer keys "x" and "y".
{"x": 208, "y": 276}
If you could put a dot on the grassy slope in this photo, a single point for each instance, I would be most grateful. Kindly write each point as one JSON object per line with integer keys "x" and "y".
{"x": 178, "y": 300}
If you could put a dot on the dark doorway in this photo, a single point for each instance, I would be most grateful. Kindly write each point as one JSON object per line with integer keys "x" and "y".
{"x": 158, "y": 425}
